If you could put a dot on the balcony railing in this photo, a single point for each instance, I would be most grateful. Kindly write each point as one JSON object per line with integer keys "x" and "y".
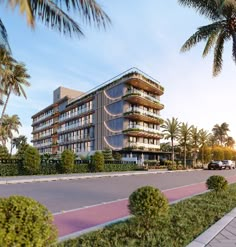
{"x": 74, "y": 114}
{"x": 139, "y": 127}
{"x": 74, "y": 138}
{"x": 43, "y": 117}
{"x": 143, "y": 146}
{"x": 42, "y": 144}
{"x": 142, "y": 94}
{"x": 42, "y": 126}
{"x": 143, "y": 112}
{"x": 73, "y": 126}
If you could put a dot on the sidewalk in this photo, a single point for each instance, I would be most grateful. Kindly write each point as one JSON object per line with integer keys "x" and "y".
{"x": 221, "y": 234}
{"x": 48, "y": 178}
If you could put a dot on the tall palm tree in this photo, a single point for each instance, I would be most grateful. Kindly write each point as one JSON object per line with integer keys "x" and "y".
{"x": 222, "y": 29}
{"x": 170, "y": 130}
{"x": 183, "y": 137}
{"x": 56, "y": 14}
{"x": 195, "y": 143}
{"x": 3, "y": 37}
{"x": 203, "y": 140}
{"x": 11, "y": 124}
{"x": 230, "y": 142}
{"x": 18, "y": 141}
{"x": 15, "y": 82}
{"x": 220, "y": 132}
{"x": 6, "y": 62}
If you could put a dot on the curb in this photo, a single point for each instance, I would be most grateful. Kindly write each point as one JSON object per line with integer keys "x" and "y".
{"x": 203, "y": 239}
{"x": 75, "y": 177}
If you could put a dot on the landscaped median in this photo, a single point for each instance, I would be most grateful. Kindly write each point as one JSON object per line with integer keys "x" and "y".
{"x": 183, "y": 223}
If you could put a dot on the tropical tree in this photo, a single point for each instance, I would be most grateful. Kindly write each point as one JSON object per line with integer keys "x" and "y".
{"x": 3, "y": 37}
{"x": 230, "y": 142}
{"x": 11, "y": 124}
{"x": 14, "y": 82}
{"x": 18, "y": 141}
{"x": 170, "y": 131}
{"x": 195, "y": 143}
{"x": 183, "y": 138}
{"x": 222, "y": 28}
{"x": 220, "y": 132}
{"x": 56, "y": 15}
{"x": 203, "y": 141}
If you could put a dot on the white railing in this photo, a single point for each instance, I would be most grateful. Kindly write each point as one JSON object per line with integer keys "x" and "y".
{"x": 73, "y": 126}
{"x": 42, "y": 144}
{"x": 143, "y": 112}
{"x": 141, "y": 127}
{"x": 74, "y": 138}
{"x": 144, "y": 145}
{"x": 74, "y": 114}
{"x": 43, "y": 117}
{"x": 43, "y": 126}
{"x": 145, "y": 95}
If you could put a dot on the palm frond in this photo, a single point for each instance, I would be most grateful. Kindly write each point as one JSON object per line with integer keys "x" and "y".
{"x": 210, "y": 42}
{"x": 4, "y": 37}
{"x": 234, "y": 46}
{"x": 218, "y": 52}
{"x": 212, "y": 9}
{"x": 202, "y": 34}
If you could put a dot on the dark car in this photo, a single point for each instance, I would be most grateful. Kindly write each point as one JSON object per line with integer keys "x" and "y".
{"x": 216, "y": 164}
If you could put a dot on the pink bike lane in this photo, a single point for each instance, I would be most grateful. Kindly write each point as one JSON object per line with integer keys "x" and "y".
{"x": 84, "y": 218}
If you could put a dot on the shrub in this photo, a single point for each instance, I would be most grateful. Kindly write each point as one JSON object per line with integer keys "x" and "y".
{"x": 25, "y": 222}
{"x": 67, "y": 161}
{"x": 217, "y": 183}
{"x": 9, "y": 169}
{"x": 4, "y": 154}
{"x": 147, "y": 203}
{"x": 107, "y": 153}
{"x": 97, "y": 164}
{"x": 31, "y": 160}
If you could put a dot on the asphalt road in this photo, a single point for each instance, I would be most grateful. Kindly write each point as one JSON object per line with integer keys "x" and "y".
{"x": 66, "y": 195}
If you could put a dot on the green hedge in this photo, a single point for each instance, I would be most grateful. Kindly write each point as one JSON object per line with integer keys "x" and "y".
{"x": 55, "y": 168}
{"x": 120, "y": 167}
{"x": 185, "y": 221}
{"x": 9, "y": 169}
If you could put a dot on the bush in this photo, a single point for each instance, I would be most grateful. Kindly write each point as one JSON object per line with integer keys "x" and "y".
{"x": 81, "y": 168}
{"x": 217, "y": 183}
{"x": 25, "y": 222}
{"x": 9, "y": 169}
{"x": 67, "y": 161}
{"x": 107, "y": 154}
{"x": 147, "y": 203}
{"x": 31, "y": 160}
{"x": 97, "y": 164}
{"x": 4, "y": 154}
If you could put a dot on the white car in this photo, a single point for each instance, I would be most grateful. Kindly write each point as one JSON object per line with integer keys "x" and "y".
{"x": 229, "y": 164}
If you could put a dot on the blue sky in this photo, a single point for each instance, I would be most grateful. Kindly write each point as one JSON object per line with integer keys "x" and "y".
{"x": 146, "y": 35}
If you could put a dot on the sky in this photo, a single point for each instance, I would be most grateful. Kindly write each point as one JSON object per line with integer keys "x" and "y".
{"x": 147, "y": 35}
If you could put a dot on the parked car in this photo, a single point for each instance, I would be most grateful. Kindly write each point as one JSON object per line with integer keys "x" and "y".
{"x": 229, "y": 164}
{"x": 216, "y": 164}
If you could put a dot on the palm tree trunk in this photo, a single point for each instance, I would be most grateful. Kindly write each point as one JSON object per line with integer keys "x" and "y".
{"x": 185, "y": 156}
{"x": 173, "y": 152}
{"x": 5, "y": 105}
{"x": 11, "y": 146}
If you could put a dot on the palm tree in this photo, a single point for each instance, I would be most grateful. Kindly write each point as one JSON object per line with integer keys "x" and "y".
{"x": 222, "y": 29}
{"x": 230, "y": 142}
{"x": 170, "y": 130}
{"x": 14, "y": 82}
{"x": 183, "y": 137}
{"x": 203, "y": 140}
{"x": 220, "y": 132}
{"x": 11, "y": 124}
{"x": 3, "y": 37}
{"x": 18, "y": 141}
{"x": 56, "y": 15}
{"x": 195, "y": 143}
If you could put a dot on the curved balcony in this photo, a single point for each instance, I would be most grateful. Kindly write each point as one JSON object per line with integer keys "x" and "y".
{"x": 139, "y": 81}
{"x": 141, "y": 131}
{"x": 139, "y": 114}
{"x": 139, "y": 146}
{"x": 140, "y": 98}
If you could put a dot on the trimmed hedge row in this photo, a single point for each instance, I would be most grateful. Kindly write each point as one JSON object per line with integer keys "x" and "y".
{"x": 185, "y": 221}
{"x": 55, "y": 168}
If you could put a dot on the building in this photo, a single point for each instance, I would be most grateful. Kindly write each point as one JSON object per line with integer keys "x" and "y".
{"x": 122, "y": 114}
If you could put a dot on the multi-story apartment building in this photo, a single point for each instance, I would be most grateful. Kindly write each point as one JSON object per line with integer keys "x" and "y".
{"x": 122, "y": 114}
